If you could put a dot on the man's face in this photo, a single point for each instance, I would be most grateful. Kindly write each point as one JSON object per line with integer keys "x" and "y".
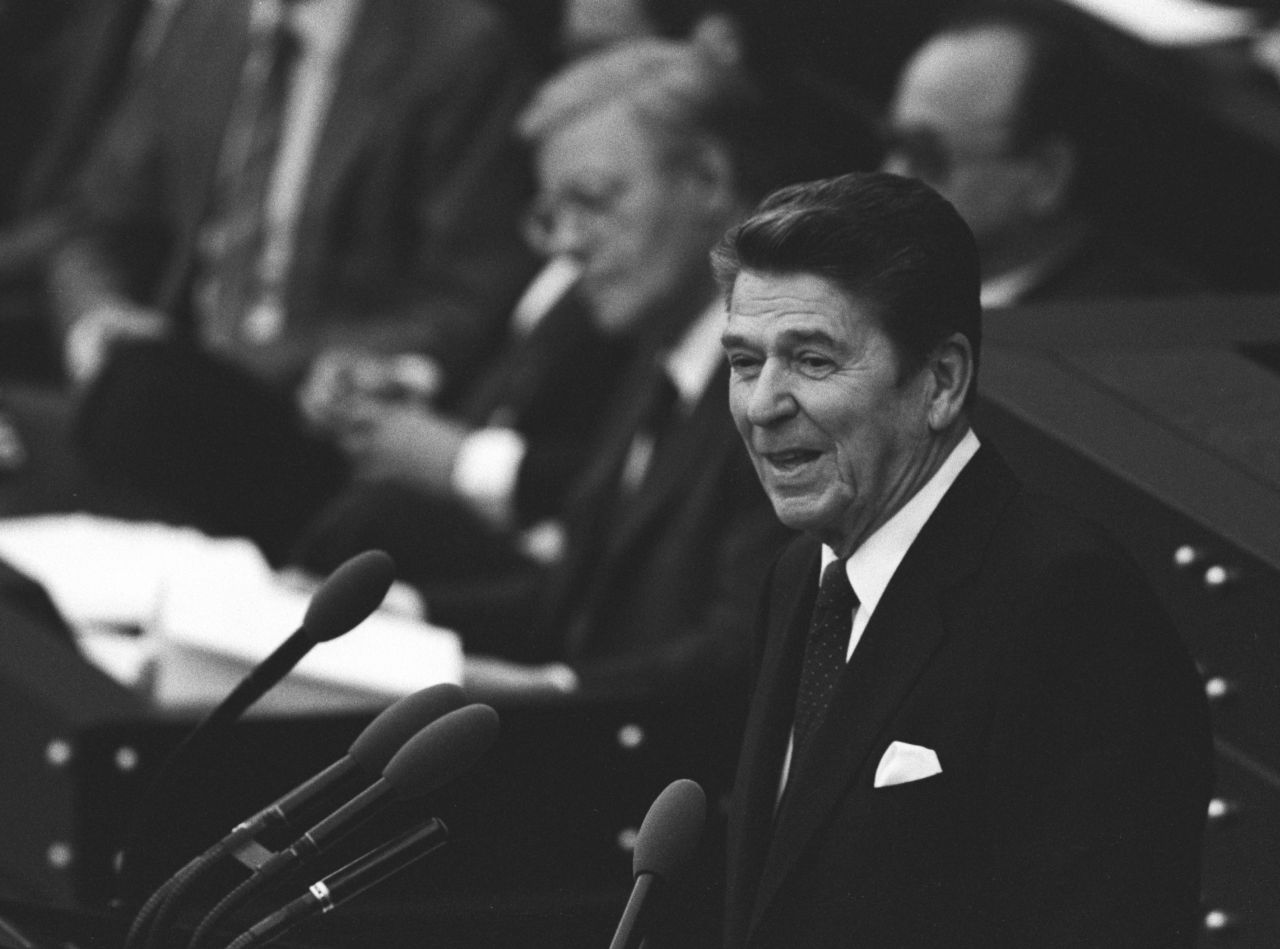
{"x": 635, "y": 226}
{"x": 951, "y": 125}
{"x": 838, "y": 440}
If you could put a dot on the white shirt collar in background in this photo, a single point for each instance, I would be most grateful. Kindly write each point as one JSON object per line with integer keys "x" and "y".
{"x": 693, "y": 361}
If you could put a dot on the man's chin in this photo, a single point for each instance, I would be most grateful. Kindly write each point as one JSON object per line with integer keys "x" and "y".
{"x": 799, "y": 513}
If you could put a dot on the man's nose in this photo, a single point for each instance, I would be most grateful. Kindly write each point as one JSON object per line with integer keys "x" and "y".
{"x": 771, "y": 398}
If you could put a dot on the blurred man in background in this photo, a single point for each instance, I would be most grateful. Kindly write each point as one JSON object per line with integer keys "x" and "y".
{"x": 644, "y": 154}
{"x": 1005, "y": 111}
{"x": 288, "y": 187}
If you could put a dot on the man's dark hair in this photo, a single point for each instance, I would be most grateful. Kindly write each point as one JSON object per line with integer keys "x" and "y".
{"x": 887, "y": 241}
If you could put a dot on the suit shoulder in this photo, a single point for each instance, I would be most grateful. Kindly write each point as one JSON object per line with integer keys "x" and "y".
{"x": 1081, "y": 589}
{"x": 1040, "y": 530}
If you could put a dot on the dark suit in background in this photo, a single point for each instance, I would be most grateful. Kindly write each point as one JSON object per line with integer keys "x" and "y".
{"x": 550, "y": 387}
{"x": 406, "y": 240}
{"x": 1022, "y": 646}
{"x": 658, "y": 580}
{"x": 408, "y": 236}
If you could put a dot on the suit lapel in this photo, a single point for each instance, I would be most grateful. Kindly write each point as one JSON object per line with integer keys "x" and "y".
{"x": 905, "y": 632}
{"x": 769, "y": 726}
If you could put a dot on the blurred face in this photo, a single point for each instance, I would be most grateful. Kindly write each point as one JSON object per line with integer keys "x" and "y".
{"x": 640, "y": 230}
{"x": 951, "y": 125}
{"x": 838, "y": 440}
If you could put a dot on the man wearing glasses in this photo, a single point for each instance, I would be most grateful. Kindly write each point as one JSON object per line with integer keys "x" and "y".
{"x": 1003, "y": 112}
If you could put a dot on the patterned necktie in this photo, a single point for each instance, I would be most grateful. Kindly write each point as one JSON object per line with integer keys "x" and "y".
{"x": 824, "y": 651}
{"x": 233, "y": 237}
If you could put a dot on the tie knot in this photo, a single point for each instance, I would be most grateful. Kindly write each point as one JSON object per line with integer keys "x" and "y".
{"x": 835, "y": 591}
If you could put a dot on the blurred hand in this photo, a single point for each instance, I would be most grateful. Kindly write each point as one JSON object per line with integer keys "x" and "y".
{"x": 404, "y": 443}
{"x": 488, "y": 679}
{"x": 345, "y": 385}
{"x": 90, "y": 338}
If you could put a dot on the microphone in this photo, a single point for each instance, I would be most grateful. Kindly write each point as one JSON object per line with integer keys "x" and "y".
{"x": 360, "y": 874}
{"x": 430, "y": 759}
{"x": 368, "y": 754}
{"x": 667, "y": 840}
{"x": 347, "y": 596}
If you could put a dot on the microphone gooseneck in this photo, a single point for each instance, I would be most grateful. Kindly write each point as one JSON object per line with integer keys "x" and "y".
{"x": 360, "y": 874}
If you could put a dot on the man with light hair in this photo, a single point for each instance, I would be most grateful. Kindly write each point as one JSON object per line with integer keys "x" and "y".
{"x": 644, "y": 154}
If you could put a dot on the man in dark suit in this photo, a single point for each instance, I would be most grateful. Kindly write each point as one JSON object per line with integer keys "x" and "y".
{"x": 972, "y": 724}
{"x": 1012, "y": 113}
{"x": 448, "y": 494}
{"x": 388, "y": 184}
{"x": 287, "y": 188}
{"x": 645, "y": 154}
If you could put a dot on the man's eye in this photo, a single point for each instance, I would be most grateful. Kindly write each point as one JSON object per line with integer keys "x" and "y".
{"x": 812, "y": 363}
{"x": 743, "y": 364}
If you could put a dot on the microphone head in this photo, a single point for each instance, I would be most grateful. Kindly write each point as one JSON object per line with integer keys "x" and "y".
{"x": 387, "y": 733}
{"x": 671, "y": 830}
{"x": 353, "y": 591}
{"x": 442, "y": 751}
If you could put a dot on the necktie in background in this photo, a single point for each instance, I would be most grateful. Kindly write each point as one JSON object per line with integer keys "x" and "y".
{"x": 661, "y": 401}
{"x": 824, "y": 652}
{"x": 232, "y": 240}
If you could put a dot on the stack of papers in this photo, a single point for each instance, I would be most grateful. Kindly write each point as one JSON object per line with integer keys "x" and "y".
{"x": 183, "y": 617}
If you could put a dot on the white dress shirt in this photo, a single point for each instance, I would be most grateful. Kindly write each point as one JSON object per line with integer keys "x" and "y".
{"x": 871, "y": 567}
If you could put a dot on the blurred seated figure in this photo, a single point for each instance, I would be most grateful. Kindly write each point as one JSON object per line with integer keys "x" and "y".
{"x": 289, "y": 187}
{"x": 1005, "y": 112}
{"x": 645, "y": 153}
{"x": 450, "y": 493}
{"x": 291, "y": 179}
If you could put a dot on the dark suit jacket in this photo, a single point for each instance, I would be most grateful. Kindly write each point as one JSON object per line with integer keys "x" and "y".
{"x": 551, "y": 387}
{"x": 408, "y": 236}
{"x": 1024, "y": 648}
{"x": 657, "y": 586}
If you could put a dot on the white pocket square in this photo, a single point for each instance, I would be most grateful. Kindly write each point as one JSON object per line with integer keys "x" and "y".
{"x": 903, "y": 762}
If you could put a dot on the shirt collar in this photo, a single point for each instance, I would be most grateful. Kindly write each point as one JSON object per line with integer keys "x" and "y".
{"x": 874, "y": 563}
{"x": 693, "y": 361}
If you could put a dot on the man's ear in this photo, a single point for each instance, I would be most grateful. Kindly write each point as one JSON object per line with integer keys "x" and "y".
{"x": 1055, "y": 163}
{"x": 950, "y": 375}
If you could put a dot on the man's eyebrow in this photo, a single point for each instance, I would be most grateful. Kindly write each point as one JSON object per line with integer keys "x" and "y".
{"x": 792, "y": 337}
